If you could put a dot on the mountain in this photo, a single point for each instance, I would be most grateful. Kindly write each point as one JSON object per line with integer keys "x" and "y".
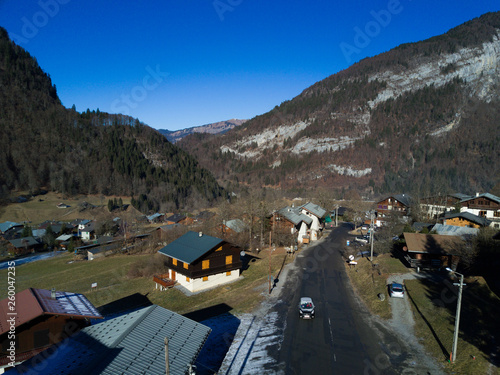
{"x": 215, "y": 128}
{"x": 47, "y": 146}
{"x": 421, "y": 118}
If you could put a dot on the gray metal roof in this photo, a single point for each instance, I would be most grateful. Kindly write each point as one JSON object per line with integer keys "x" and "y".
{"x": 7, "y": 225}
{"x": 25, "y": 241}
{"x": 236, "y": 225}
{"x": 129, "y": 344}
{"x": 314, "y": 209}
{"x": 190, "y": 247}
{"x": 294, "y": 215}
{"x": 453, "y": 230}
{"x": 489, "y": 196}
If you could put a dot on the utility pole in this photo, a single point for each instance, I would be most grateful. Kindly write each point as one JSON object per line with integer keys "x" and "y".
{"x": 372, "y": 217}
{"x": 336, "y": 216}
{"x": 167, "y": 366}
{"x": 457, "y": 316}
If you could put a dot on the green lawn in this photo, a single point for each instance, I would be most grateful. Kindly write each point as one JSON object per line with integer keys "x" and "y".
{"x": 434, "y": 306}
{"x": 110, "y": 274}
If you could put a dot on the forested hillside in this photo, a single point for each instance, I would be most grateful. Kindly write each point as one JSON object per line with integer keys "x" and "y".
{"x": 422, "y": 118}
{"x": 47, "y": 146}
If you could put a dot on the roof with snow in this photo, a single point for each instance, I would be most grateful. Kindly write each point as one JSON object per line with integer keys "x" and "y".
{"x": 314, "y": 209}
{"x": 129, "y": 344}
{"x": 191, "y": 246}
{"x": 32, "y": 303}
{"x": 64, "y": 237}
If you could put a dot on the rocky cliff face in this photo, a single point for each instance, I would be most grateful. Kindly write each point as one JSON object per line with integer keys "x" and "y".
{"x": 402, "y": 119}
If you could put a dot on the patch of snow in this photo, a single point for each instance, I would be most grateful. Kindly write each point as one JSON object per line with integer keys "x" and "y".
{"x": 348, "y": 171}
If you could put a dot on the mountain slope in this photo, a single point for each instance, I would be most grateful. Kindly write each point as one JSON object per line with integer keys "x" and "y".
{"x": 420, "y": 118}
{"x": 220, "y": 127}
{"x": 45, "y": 145}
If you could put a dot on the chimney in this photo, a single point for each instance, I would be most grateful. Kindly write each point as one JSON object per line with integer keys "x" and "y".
{"x": 477, "y": 194}
{"x": 53, "y": 293}
{"x": 200, "y": 234}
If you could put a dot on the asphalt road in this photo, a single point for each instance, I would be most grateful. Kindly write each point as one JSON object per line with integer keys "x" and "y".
{"x": 343, "y": 338}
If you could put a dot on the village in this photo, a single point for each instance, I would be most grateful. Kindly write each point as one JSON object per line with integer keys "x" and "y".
{"x": 197, "y": 253}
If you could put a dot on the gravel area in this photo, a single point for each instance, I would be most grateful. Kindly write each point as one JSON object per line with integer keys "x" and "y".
{"x": 403, "y": 324}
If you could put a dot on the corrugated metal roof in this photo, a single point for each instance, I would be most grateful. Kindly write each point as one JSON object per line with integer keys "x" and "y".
{"x": 32, "y": 303}
{"x": 314, "y": 209}
{"x": 130, "y": 344}
{"x": 190, "y": 247}
{"x": 453, "y": 230}
{"x": 236, "y": 225}
{"x": 294, "y": 215}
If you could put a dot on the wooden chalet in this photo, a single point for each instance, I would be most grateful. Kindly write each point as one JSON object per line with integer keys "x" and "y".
{"x": 41, "y": 318}
{"x": 197, "y": 262}
{"x": 399, "y": 203}
{"x": 431, "y": 250}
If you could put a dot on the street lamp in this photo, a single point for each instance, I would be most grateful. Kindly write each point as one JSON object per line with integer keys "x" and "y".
{"x": 457, "y": 316}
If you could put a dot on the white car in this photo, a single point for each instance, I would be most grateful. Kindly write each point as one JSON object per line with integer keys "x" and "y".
{"x": 361, "y": 239}
{"x": 397, "y": 290}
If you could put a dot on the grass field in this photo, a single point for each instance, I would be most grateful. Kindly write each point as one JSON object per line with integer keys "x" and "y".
{"x": 110, "y": 274}
{"x": 370, "y": 281}
{"x": 434, "y": 307}
{"x": 44, "y": 207}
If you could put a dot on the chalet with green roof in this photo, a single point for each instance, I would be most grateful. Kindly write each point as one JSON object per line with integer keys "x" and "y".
{"x": 198, "y": 262}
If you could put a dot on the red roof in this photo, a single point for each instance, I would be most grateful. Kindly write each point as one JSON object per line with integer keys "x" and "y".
{"x": 32, "y": 303}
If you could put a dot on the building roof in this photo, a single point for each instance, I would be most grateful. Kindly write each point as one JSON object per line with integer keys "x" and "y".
{"x": 154, "y": 216}
{"x": 470, "y": 217}
{"x": 489, "y": 196}
{"x": 129, "y": 344}
{"x": 64, "y": 237}
{"x": 236, "y": 225}
{"x": 191, "y": 246}
{"x": 7, "y": 225}
{"x": 176, "y": 218}
{"x": 294, "y": 215}
{"x": 314, "y": 209}
{"x": 23, "y": 242}
{"x": 431, "y": 243}
{"x": 32, "y": 303}
{"x": 453, "y": 230}
{"x": 418, "y": 226}
{"x": 39, "y": 232}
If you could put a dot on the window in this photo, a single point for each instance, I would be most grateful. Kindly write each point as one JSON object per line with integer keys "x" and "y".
{"x": 496, "y": 213}
{"x": 482, "y": 213}
{"x": 188, "y": 279}
{"x": 205, "y": 278}
{"x": 219, "y": 249}
{"x": 41, "y": 338}
{"x": 185, "y": 265}
{"x": 228, "y": 273}
{"x": 174, "y": 262}
{"x": 229, "y": 259}
{"x": 205, "y": 265}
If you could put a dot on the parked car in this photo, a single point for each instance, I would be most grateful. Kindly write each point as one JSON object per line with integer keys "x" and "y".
{"x": 396, "y": 290}
{"x": 361, "y": 239}
{"x": 306, "y": 308}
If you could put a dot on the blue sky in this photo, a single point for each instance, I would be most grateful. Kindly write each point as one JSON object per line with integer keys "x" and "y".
{"x": 177, "y": 64}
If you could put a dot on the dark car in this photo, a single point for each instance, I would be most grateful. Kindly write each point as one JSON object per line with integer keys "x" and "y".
{"x": 306, "y": 308}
